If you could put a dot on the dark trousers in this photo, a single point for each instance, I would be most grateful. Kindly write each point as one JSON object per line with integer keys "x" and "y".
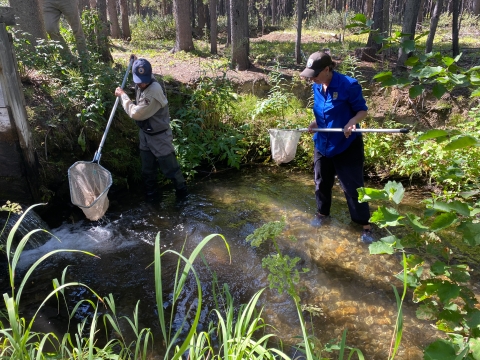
{"x": 168, "y": 166}
{"x": 348, "y": 166}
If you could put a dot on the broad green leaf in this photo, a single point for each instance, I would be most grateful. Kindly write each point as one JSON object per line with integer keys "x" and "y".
{"x": 412, "y": 60}
{"x": 380, "y": 247}
{"x": 439, "y": 268}
{"x": 457, "y": 206}
{"x": 432, "y": 134}
{"x": 470, "y": 232}
{"x": 360, "y": 18}
{"x": 459, "y": 79}
{"x": 438, "y": 90}
{"x": 430, "y": 71}
{"x": 439, "y": 350}
{"x": 426, "y": 312}
{"x": 475, "y": 347}
{"x": 461, "y": 142}
{"x": 474, "y": 79}
{"x": 383, "y": 76}
{"x": 367, "y": 194}
{"x": 392, "y": 239}
{"x": 415, "y": 91}
{"x": 448, "y": 291}
{"x": 386, "y": 217}
{"x": 443, "y": 221}
{"x": 459, "y": 273}
{"x": 408, "y": 45}
{"x": 395, "y": 191}
{"x": 476, "y": 92}
{"x": 447, "y": 61}
{"x": 416, "y": 224}
{"x": 389, "y": 82}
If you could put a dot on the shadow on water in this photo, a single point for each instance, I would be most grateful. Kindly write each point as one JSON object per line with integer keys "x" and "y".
{"x": 348, "y": 288}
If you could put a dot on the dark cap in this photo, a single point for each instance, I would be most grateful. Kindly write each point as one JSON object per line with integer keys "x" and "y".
{"x": 316, "y": 63}
{"x": 142, "y": 71}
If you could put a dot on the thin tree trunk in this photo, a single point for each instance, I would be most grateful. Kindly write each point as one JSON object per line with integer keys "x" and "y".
{"x": 213, "y": 26}
{"x": 125, "y": 25}
{"x": 29, "y": 19}
{"x": 456, "y": 5}
{"x": 103, "y": 32}
{"x": 476, "y": 7}
{"x": 229, "y": 24}
{"x": 298, "y": 42}
{"x": 433, "y": 25}
{"x": 201, "y": 17}
{"x": 113, "y": 17}
{"x": 369, "y": 10}
{"x": 93, "y": 4}
{"x": 137, "y": 7}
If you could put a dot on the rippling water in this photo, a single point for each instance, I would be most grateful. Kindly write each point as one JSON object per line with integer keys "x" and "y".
{"x": 349, "y": 288}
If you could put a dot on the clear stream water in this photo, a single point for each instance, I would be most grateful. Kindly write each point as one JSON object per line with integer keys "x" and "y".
{"x": 351, "y": 289}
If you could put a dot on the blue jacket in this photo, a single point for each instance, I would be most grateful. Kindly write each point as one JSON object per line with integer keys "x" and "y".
{"x": 333, "y": 109}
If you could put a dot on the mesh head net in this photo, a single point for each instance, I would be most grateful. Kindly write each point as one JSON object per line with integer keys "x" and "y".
{"x": 89, "y": 184}
{"x": 283, "y": 144}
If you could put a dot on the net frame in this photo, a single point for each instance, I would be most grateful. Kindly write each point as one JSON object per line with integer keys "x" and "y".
{"x": 89, "y": 184}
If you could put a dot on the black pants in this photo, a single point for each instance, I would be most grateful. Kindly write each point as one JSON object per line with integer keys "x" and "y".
{"x": 168, "y": 166}
{"x": 348, "y": 166}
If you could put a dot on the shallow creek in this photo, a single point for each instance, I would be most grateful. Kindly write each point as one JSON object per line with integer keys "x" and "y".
{"x": 350, "y": 288}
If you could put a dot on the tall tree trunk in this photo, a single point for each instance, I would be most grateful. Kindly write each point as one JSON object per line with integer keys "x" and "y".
{"x": 183, "y": 26}
{"x": 378, "y": 14}
{"x": 125, "y": 25}
{"x": 201, "y": 7}
{"x": 420, "y": 12}
{"x": 456, "y": 5}
{"x": 408, "y": 27}
{"x": 369, "y": 10}
{"x": 476, "y": 7}
{"x": 229, "y": 24}
{"x": 275, "y": 12}
{"x": 93, "y": 4}
{"x": 113, "y": 17}
{"x": 103, "y": 32}
{"x": 433, "y": 25}
{"x": 239, "y": 20}
{"x": 137, "y": 7}
{"x": 298, "y": 42}
{"x": 213, "y": 26}
{"x": 29, "y": 19}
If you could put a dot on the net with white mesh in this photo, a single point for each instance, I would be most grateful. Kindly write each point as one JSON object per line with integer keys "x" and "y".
{"x": 283, "y": 144}
{"x": 89, "y": 184}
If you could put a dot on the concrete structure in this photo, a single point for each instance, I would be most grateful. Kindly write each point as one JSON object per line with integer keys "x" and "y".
{"x": 18, "y": 161}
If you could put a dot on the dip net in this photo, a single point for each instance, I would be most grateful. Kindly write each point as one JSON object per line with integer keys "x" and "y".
{"x": 89, "y": 184}
{"x": 283, "y": 144}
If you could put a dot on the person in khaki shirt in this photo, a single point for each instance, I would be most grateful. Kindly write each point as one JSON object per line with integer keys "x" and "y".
{"x": 150, "y": 112}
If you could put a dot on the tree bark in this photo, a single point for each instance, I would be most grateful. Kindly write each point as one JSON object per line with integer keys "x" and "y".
{"x": 240, "y": 42}
{"x": 201, "y": 18}
{"x": 476, "y": 7}
{"x": 408, "y": 27}
{"x": 433, "y": 25}
{"x": 93, "y": 4}
{"x": 213, "y": 26}
{"x": 229, "y": 24}
{"x": 125, "y": 25}
{"x": 456, "y": 5}
{"x": 298, "y": 42}
{"x": 183, "y": 26}
{"x": 113, "y": 17}
{"x": 369, "y": 10}
{"x": 29, "y": 19}
{"x": 103, "y": 32}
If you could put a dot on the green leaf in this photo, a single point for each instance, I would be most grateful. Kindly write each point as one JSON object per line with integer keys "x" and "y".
{"x": 457, "y": 206}
{"x": 448, "y": 291}
{"x": 470, "y": 232}
{"x": 415, "y": 91}
{"x": 412, "y": 60}
{"x": 386, "y": 217}
{"x": 383, "y": 76}
{"x": 408, "y": 46}
{"x": 476, "y": 92}
{"x": 447, "y": 61}
{"x": 475, "y": 347}
{"x": 461, "y": 142}
{"x": 432, "y": 134}
{"x": 426, "y": 312}
{"x": 367, "y": 194}
{"x": 395, "y": 191}
{"x": 430, "y": 71}
{"x": 443, "y": 221}
{"x": 380, "y": 247}
{"x": 439, "y": 350}
{"x": 416, "y": 224}
{"x": 438, "y": 90}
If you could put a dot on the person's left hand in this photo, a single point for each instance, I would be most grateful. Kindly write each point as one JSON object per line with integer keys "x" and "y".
{"x": 351, "y": 126}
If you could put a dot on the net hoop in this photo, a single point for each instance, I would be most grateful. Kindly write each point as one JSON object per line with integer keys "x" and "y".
{"x": 283, "y": 144}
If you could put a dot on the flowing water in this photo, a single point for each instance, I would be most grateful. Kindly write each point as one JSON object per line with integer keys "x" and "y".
{"x": 347, "y": 287}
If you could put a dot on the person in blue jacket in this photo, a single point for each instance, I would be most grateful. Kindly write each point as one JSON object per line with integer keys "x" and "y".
{"x": 338, "y": 103}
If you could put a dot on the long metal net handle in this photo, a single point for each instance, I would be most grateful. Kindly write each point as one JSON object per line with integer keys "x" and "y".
{"x": 98, "y": 153}
{"x": 403, "y": 131}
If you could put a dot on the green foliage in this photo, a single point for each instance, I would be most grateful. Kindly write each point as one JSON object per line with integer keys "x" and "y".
{"x": 149, "y": 28}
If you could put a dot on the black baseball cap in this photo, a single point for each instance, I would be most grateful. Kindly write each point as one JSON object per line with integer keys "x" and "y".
{"x": 316, "y": 63}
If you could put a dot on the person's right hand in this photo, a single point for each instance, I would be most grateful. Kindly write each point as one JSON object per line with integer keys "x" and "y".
{"x": 119, "y": 91}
